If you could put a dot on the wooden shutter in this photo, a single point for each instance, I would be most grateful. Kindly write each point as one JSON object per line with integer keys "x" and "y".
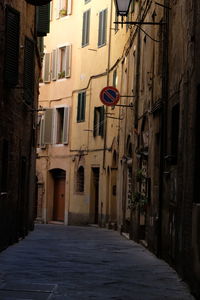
{"x": 68, "y": 55}
{"x": 66, "y": 126}
{"x": 54, "y": 64}
{"x": 86, "y": 28}
{"x": 69, "y": 7}
{"x": 58, "y": 7}
{"x": 102, "y": 28}
{"x": 47, "y": 74}
{"x": 79, "y": 108}
{"x": 95, "y": 122}
{"x": 43, "y": 19}
{"x": 41, "y": 136}
{"x": 48, "y": 126}
{"x": 12, "y": 46}
{"x": 101, "y": 126}
{"x": 29, "y": 70}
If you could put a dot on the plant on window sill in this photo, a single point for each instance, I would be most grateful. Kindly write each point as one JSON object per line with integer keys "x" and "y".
{"x": 63, "y": 12}
{"x": 61, "y": 75}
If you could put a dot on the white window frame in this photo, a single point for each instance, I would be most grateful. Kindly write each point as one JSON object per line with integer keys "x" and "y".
{"x": 69, "y": 57}
{"x": 59, "y": 9}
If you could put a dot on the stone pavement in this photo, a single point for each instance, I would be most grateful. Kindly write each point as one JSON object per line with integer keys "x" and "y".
{"x": 56, "y": 262}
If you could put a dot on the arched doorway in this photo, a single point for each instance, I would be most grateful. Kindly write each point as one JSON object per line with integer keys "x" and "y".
{"x": 59, "y": 177}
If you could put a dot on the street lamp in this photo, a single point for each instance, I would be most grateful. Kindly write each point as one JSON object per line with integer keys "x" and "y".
{"x": 122, "y": 7}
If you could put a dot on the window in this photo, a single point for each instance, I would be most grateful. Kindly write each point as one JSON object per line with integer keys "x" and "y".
{"x": 12, "y": 46}
{"x": 64, "y": 8}
{"x": 80, "y": 180}
{"x": 86, "y": 28}
{"x": 59, "y": 61}
{"x": 55, "y": 127}
{"x": 29, "y": 71}
{"x": 81, "y": 107}
{"x": 102, "y": 28}
{"x": 63, "y": 62}
{"x": 98, "y": 121}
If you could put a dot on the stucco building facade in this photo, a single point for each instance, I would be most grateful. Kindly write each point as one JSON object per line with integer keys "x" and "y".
{"x": 135, "y": 166}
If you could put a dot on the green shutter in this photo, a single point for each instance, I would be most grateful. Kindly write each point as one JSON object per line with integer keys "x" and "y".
{"x": 95, "y": 122}
{"x": 12, "y": 46}
{"x": 83, "y": 106}
{"x": 43, "y": 19}
{"x": 29, "y": 70}
{"x": 78, "y": 107}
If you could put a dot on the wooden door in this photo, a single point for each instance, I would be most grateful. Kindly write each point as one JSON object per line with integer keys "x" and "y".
{"x": 59, "y": 199}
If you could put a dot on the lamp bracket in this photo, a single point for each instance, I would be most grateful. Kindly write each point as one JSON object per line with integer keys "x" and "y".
{"x": 141, "y": 23}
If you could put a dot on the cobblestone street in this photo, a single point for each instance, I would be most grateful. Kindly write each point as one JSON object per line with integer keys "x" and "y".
{"x": 76, "y": 263}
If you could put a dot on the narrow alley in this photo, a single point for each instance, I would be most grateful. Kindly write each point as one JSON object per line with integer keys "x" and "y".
{"x": 68, "y": 263}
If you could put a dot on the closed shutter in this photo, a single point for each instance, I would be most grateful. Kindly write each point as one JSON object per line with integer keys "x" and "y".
{"x": 29, "y": 71}
{"x": 86, "y": 28}
{"x": 66, "y": 126}
{"x": 81, "y": 107}
{"x": 12, "y": 46}
{"x": 78, "y": 108}
{"x": 42, "y": 19}
{"x": 48, "y": 126}
{"x": 47, "y": 74}
{"x": 102, "y": 28}
{"x": 101, "y": 125}
{"x": 68, "y": 55}
{"x": 95, "y": 122}
{"x": 54, "y": 64}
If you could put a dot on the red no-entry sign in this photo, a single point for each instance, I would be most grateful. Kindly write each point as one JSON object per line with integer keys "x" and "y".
{"x": 109, "y": 96}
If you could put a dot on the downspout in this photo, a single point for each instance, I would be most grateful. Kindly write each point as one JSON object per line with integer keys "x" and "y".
{"x": 137, "y": 92}
{"x": 107, "y": 82}
{"x": 163, "y": 123}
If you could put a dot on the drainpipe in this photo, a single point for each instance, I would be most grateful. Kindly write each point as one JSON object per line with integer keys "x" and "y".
{"x": 163, "y": 124}
{"x": 107, "y": 82}
{"x": 137, "y": 92}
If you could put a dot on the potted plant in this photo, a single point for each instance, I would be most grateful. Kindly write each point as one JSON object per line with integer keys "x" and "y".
{"x": 63, "y": 12}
